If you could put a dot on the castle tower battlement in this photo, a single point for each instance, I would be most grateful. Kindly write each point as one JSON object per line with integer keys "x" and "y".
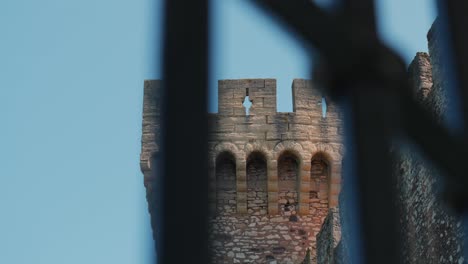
{"x": 274, "y": 175}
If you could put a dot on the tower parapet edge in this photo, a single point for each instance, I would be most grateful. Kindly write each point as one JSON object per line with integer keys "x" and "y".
{"x": 150, "y": 124}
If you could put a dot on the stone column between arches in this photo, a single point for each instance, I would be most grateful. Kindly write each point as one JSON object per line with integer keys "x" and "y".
{"x": 334, "y": 184}
{"x": 304, "y": 187}
{"x": 272, "y": 176}
{"x": 241, "y": 172}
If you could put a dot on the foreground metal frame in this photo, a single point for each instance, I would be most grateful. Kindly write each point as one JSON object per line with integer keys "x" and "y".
{"x": 357, "y": 69}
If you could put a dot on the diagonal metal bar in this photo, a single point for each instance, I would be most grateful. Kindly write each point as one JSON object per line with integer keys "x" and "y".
{"x": 361, "y": 13}
{"x": 311, "y": 24}
{"x": 184, "y": 171}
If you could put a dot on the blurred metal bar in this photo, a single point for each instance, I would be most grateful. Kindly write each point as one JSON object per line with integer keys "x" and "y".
{"x": 448, "y": 152}
{"x": 183, "y": 202}
{"x": 312, "y": 25}
{"x": 371, "y": 128}
{"x": 361, "y": 14}
{"x": 454, "y": 18}
{"x": 349, "y": 44}
{"x": 352, "y": 50}
{"x": 373, "y": 121}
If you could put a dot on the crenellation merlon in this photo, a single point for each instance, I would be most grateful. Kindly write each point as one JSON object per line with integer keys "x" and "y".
{"x": 232, "y": 93}
{"x": 264, "y": 122}
{"x": 306, "y": 97}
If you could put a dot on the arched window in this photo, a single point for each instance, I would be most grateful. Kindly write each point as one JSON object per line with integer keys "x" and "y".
{"x": 319, "y": 180}
{"x": 288, "y": 173}
{"x": 257, "y": 195}
{"x": 226, "y": 183}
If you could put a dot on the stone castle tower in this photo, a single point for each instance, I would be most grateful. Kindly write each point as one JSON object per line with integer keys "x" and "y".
{"x": 274, "y": 175}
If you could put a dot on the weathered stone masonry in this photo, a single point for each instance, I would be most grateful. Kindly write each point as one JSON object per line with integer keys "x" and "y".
{"x": 273, "y": 175}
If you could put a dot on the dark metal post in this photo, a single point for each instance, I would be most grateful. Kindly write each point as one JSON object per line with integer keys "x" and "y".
{"x": 453, "y": 16}
{"x": 368, "y": 130}
{"x": 183, "y": 203}
{"x": 454, "y": 22}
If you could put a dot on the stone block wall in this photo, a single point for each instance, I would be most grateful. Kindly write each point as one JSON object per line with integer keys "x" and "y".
{"x": 288, "y": 171}
{"x": 329, "y": 237}
{"x": 432, "y": 232}
{"x": 273, "y": 175}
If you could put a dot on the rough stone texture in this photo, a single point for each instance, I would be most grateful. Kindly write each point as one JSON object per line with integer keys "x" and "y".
{"x": 431, "y": 233}
{"x": 329, "y": 237}
{"x": 273, "y": 175}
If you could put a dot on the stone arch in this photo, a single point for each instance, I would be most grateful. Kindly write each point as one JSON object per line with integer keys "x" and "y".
{"x": 225, "y": 177}
{"x": 289, "y": 171}
{"x": 289, "y": 146}
{"x": 257, "y": 183}
{"x": 272, "y": 177}
{"x": 332, "y": 152}
{"x": 257, "y": 147}
{"x": 214, "y": 152}
{"x": 225, "y": 146}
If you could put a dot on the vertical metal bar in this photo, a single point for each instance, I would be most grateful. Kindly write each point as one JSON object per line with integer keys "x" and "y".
{"x": 184, "y": 171}
{"x": 454, "y": 19}
{"x": 369, "y": 133}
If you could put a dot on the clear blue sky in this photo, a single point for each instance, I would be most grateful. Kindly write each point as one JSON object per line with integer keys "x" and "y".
{"x": 71, "y": 82}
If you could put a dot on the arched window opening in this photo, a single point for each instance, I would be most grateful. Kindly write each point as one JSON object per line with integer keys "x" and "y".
{"x": 318, "y": 195}
{"x": 257, "y": 195}
{"x": 226, "y": 183}
{"x": 288, "y": 174}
